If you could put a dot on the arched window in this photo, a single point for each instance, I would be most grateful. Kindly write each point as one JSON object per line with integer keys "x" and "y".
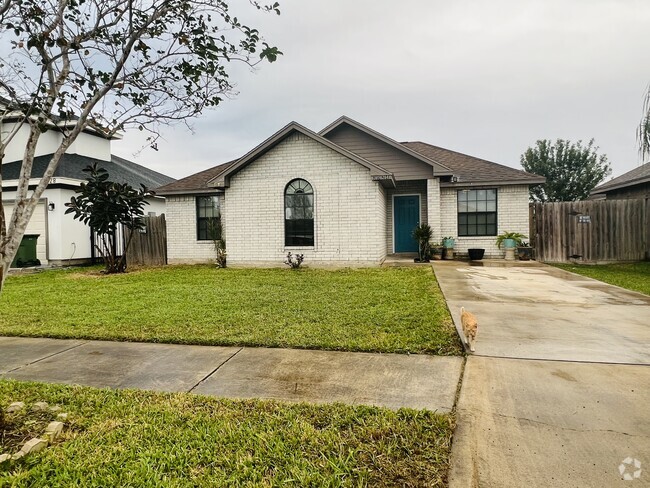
{"x": 298, "y": 214}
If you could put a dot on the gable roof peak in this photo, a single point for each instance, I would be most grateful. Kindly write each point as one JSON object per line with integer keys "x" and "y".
{"x": 222, "y": 179}
{"x": 344, "y": 119}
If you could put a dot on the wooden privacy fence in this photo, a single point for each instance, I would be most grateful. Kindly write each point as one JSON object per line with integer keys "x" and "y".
{"x": 149, "y": 247}
{"x": 591, "y": 231}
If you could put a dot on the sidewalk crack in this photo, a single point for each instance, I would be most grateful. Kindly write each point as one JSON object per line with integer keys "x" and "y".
{"x": 539, "y": 422}
{"x": 205, "y": 378}
{"x": 46, "y": 357}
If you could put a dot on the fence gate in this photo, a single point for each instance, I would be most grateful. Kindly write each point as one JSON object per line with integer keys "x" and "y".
{"x": 149, "y": 246}
{"x": 591, "y": 231}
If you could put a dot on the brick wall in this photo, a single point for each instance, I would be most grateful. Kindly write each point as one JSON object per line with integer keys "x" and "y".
{"x": 182, "y": 244}
{"x": 347, "y": 225}
{"x": 382, "y": 210}
{"x": 433, "y": 208}
{"x": 512, "y": 216}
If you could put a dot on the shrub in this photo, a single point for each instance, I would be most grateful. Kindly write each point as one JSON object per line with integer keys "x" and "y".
{"x": 294, "y": 260}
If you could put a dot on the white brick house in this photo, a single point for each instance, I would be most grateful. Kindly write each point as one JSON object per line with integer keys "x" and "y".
{"x": 345, "y": 195}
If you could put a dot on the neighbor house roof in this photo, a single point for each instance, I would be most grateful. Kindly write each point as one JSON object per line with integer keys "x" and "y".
{"x": 54, "y": 122}
{"x": 468, "y": 170}
{"x": 636, "y": 176}
{"x": 72, "y": 165}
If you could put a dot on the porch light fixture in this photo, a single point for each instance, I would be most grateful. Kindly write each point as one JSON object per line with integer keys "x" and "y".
{"x": 51, "y": 206}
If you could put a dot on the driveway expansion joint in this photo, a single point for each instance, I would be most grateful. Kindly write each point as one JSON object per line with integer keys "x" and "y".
{"x": 553, "y": 360}
{"x": 206, "y": 377}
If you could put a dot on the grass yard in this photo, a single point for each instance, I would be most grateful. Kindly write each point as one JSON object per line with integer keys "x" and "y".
{"x": 145, "y": 439}
{"x": 379, "y": 309}
{"x": 633, "y": 276}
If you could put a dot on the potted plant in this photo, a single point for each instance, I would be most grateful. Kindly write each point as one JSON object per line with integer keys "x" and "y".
{"x": 509, "y": 240}
{"x": 422, "y": 234}
{"x": 524, "y": 251}
{"x": 448, "y": 243}
{"x": 437, "y": 250}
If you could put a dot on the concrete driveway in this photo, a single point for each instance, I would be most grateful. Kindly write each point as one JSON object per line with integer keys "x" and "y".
{"x": 558, "y": 392}
{"x": 534, "y": 311}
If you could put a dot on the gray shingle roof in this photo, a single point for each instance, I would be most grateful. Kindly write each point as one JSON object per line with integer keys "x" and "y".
{"x": 195, "y": 183}
{"x": 468, "y": 168}
{"x": 636, "y": 176}
{"x": 473, "y": 170}
{"x": 71, "y": 166}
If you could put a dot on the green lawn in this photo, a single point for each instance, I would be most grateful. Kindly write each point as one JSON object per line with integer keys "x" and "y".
{"x": 379, "y": 309}
{"x": 145, "y": 439}
{"x": 633, "y": 276}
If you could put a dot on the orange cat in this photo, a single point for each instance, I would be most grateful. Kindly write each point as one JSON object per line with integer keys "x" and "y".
{"x": 470, "y": 327}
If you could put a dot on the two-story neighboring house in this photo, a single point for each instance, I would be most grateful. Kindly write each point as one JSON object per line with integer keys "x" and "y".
{"x": 61, "y": 239}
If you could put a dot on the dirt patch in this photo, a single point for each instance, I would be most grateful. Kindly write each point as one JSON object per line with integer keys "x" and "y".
{"x": 86, "y": 275}
{"x": 99, "y": 273}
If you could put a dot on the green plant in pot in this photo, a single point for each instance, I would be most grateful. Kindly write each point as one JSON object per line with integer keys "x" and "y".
{"x": 448, "y": 242}
{"x": 509, "y": 240}
{"x": 423, "y": 234}
{"x": 524, "y": 251}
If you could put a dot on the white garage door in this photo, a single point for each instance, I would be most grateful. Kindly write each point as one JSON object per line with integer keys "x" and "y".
{"x": 37, "y": 226}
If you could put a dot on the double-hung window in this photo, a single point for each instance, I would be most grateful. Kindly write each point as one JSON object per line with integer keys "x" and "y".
{"x": 477, "y": 212}
{"x": 208, "y": 219}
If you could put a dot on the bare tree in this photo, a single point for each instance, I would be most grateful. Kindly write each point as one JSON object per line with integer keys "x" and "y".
{"x": 643, "y": 131}
{"x": 110, "y": 65}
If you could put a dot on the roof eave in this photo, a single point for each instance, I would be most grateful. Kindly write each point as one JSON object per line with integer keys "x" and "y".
{"x": 607, "y": 187}
{"x": 461, "y": 184}
{"x": 59, "y": 126}
{"x": 201, "y": 191}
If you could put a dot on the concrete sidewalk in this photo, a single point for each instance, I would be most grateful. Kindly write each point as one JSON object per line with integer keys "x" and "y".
{"x": 557, "y": 393}
{"x": 386, "y": 380}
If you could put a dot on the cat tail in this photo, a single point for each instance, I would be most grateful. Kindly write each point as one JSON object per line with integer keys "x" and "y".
{"x": 462, "y": 310}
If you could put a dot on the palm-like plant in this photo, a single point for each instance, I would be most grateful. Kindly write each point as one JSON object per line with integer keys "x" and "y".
{"x": 423, "y": 234}
{"x": 515, "y": 236}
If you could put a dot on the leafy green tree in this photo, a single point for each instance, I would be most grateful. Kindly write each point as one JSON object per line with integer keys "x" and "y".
{"x": 78, "y": 65}
{"x": 571, "y": 169}
{"x": 105, "y": 206}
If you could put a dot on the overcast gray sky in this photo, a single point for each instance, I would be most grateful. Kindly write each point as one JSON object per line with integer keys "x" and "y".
{"x": 484, "y": 78}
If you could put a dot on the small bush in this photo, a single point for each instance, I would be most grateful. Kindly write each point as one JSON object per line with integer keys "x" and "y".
{"x": 294, "y": 260}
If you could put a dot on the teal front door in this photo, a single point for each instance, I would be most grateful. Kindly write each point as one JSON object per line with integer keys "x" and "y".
{"x": 406, "y": 216}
